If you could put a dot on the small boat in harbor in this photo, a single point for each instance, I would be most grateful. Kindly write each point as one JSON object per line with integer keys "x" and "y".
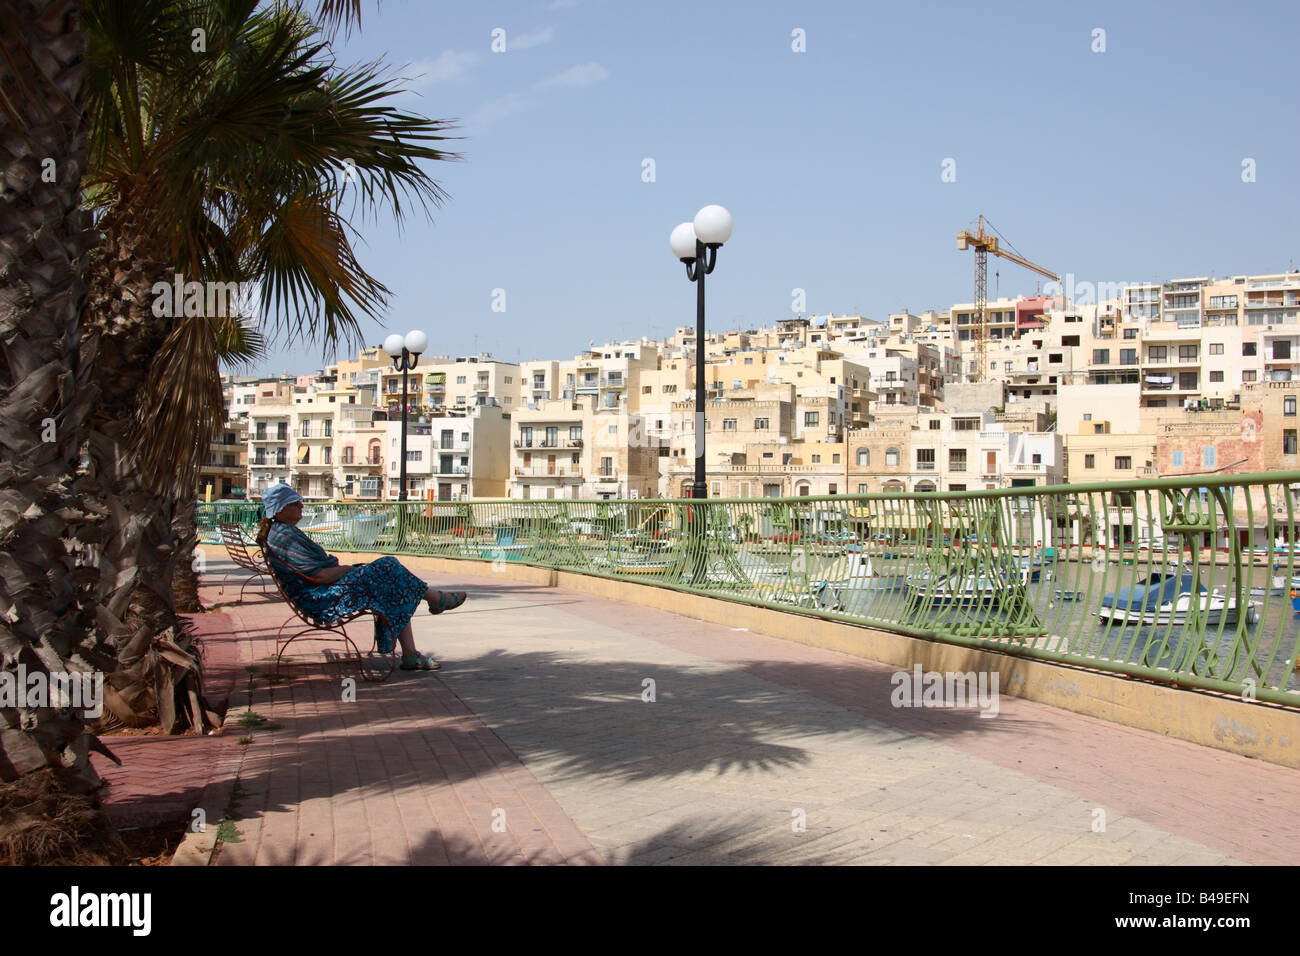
{"x": 1168, "y": 599}
{"x": 956, "y": 590}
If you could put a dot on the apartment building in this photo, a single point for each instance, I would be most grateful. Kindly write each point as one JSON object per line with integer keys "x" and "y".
{"x": 362, "y": 439}
{"x": 224, "y": 472}
{"x": 270, "y": 423}
{"x": 574, "y": 448}
{"x": 879, "y": 459}
{"x": 472, "y": 452}
{"x": 440, "y": 382}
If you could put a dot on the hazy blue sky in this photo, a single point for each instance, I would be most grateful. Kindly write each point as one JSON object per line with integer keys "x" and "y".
{"x": 1122, "y": 165}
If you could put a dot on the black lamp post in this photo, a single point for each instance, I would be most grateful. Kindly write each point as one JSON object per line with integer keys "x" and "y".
{"x": 696, "y": 244}
{"x": 405, "y": 353}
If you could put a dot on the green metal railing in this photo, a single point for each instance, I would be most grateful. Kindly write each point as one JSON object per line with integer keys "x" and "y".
{"x": 1182, "y": 580}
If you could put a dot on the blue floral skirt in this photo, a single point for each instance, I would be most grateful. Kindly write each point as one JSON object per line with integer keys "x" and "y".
{"x": 384, "y": 586}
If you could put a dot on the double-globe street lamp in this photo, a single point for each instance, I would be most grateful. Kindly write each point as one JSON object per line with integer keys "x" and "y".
{"x": 696, "y": 244}
{"x": 405, "y": 352}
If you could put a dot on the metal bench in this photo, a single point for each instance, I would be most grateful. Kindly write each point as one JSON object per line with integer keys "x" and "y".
{"x": 336, "y": 627}
{"x": 232, "y": 536}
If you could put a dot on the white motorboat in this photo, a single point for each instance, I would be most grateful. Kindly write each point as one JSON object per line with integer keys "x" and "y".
{"x": 1165, "y": 599}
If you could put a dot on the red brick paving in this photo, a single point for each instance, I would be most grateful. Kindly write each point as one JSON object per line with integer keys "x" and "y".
{"x": 1245, "y": 808}
{"x": 162, "y": 778}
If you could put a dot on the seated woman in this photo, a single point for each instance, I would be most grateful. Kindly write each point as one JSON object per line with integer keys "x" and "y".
{"x": 327, "y": 591}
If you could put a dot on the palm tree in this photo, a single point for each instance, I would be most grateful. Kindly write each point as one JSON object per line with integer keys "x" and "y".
{"x": 45, "y": 395}
{"x": 235, "y": 162}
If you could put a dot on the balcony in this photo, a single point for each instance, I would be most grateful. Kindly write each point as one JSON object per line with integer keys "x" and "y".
{"x": 542, "y": 471}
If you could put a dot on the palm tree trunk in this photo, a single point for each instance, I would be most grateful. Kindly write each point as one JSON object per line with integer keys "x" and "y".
{"x": 158, "y": 677}
{"x": 45, "y": 533}
{"x": 185, "y": 585}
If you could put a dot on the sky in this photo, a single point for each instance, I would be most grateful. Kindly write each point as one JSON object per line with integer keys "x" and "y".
{"x": 850, "y": 141}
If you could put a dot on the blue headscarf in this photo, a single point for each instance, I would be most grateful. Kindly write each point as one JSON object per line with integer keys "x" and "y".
{"x": 278, "y": 497}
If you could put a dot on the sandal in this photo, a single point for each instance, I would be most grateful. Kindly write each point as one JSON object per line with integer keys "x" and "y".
{"x": 447, "y": 600}
{"x": 420, "y": 662}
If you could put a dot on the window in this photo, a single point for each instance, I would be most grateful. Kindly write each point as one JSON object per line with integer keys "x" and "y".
{"x": 1216, "y": 376}
{"x": 935, "y": 424}
{"x": 414, "y": 455}
{"x": 607, "y": 467}
{"x": 1187, "y": 353}
{"x": 1128, "y": 357}
{"x": 956, "y": 459}
{"x": 816, "y": 459}
{"x": 328, "y": 451}
{"x": 862, "y": 489}
{"x": 835, "y": 459}
{"x": 1282, "y": 349}
{"x": 645, "y": 389}
{"x": 575, "y": 433}
{"x": 1036, "y": 460}
{"x": 925, "y": 459}
{"x": 1123, "y": 462}
{"x": 760, "y": 424}
{"x": 1130, "y": 333}
{"x": 1054, "y": 358}
{"x": 1208, "y": 456}
{"x": 1288, "y": 405}
{"x": 892, "y": 456}
{"x": 1089, "y": 461}
{"x": 460, "y": 379}
{"x": 1101, "y": 356}
{"x": 1248, "y": 375}
{"x": 1176, "y": 459}
{"x": 811, "y": 418}
{"x": 1157, "y": 353}
{"x": 833, "y": 489}
{"x": 1247, "y": 349}
{"x": 728, "y": 424}
{"x": 1289, "y": 442}
{"x": 864, "y": 458}
{"x": 1216, "y": 348}
{"x": 1187, "y": 380}
{"x": 1068, "y": 340}
{"x": 670, "y": 388}
{"x": 965, "y": 424}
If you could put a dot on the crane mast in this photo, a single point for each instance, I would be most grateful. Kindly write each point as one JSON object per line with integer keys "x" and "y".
{"x": 983, "y": 243}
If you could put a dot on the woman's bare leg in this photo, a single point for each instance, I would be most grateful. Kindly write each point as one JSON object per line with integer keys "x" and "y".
{"x": 407, "y": 640}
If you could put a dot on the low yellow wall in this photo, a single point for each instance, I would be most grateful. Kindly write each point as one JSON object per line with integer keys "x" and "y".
{"x": 1265, "y": 731}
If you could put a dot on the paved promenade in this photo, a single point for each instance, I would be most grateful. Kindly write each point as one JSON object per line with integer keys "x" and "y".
{"x": 539, "y": 743}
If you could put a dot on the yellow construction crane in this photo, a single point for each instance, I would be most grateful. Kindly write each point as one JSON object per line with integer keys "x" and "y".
{"x": 984, "y": 243}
